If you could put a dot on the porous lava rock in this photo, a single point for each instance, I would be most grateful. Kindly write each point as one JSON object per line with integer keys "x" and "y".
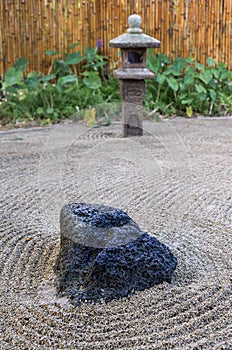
{"x": 104, "y": 255}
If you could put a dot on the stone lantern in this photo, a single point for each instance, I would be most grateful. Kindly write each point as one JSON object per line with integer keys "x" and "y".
{"x": 133, "y": 73}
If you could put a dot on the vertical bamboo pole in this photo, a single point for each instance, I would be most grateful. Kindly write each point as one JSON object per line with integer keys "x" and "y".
{"x": 223, "y": 57}
{"x": 205, "y": 21}
{"x": 228, "y": 43}
{"x": 9, "y": 45}
{"x": 202, "y": 37}
{"x": 151, "y": 19}
{"x": 212, "y": 32}
{"x": 110, "y": 23}
{"x": 181, "y": 26}
{"x": 188, "y": 27}
{"x": 171, "y": 28}
{"x": 144, "y": 14}
{"x": 223, "y": 29}
{"x": 157, "y": 22}
{"x": 218, "y": 32}
{"x": 1, "y": 40}
{"x": 191, "y": 33}
{"x": 195, "y": 28}
{"x": 37, "y": 48}
{"x": 206, "y": 31}
{"x": 167, "y": 25}
{"x": 162, "y": 21}
{"x": 184, "y": 23}
{"x": 94, "y": 32}
{"x": 105, "y": 15}
{"x": 39, "y": 19}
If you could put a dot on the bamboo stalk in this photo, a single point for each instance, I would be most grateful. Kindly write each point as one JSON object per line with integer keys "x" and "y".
{"x": 222, "y": 57}
{"x": 222, "y": 48}
{"x": 181, "y": 25}
{"x": 213, "y": 30}
{"x": 228, "y": 33}
{"x": 202, "y": 21}
{"x": 1, "y": 39}
{"x": 207, "y": 27}
{"x": 215, "y": 24}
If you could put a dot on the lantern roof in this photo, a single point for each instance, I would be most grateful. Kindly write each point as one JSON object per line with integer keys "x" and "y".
{"x": 134, "y": 38}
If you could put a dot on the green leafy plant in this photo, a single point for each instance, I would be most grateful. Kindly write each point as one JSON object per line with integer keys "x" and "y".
{"x": 18, "y": 89}
{"x": 94, "y": 61}
{"x": 60, "y": 93}
{"x": 66, "y": 63}
{"x": 184, "y": 87}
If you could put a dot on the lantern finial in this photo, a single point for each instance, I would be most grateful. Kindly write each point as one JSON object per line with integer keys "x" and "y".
{"x": 135, "y": 22}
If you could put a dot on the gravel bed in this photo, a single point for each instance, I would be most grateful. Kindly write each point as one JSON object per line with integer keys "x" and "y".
{"x": 174, "y": 181}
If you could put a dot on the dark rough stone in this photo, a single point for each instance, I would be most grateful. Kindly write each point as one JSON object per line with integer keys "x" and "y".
{"x": 122, "y": 260}
{"x": 99, "y": 215}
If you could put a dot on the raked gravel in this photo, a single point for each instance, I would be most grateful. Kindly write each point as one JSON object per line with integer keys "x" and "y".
{"x": 175, "y": 181}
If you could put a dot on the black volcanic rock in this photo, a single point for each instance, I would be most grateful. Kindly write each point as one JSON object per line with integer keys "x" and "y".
{"x": 105, "y": 255}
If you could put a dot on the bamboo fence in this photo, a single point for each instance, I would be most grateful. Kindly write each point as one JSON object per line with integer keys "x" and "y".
{"x": 186, "y": 28}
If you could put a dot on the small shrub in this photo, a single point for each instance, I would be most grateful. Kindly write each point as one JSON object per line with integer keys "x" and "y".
{"x": 184, "y": 87}
{"x": 59, "y": 94}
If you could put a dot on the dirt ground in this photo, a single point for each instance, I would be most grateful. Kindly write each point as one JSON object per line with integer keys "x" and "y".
{"x": 174, "y": 181}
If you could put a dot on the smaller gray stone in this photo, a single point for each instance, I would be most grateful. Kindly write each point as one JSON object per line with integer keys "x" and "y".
{"x": 97, "y": 225}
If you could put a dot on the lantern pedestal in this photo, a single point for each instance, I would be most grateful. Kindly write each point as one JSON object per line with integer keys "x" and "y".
{"x": 132, "y": 93}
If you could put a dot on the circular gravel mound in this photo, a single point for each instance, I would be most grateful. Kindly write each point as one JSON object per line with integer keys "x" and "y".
{"x": 175, "y": 182}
